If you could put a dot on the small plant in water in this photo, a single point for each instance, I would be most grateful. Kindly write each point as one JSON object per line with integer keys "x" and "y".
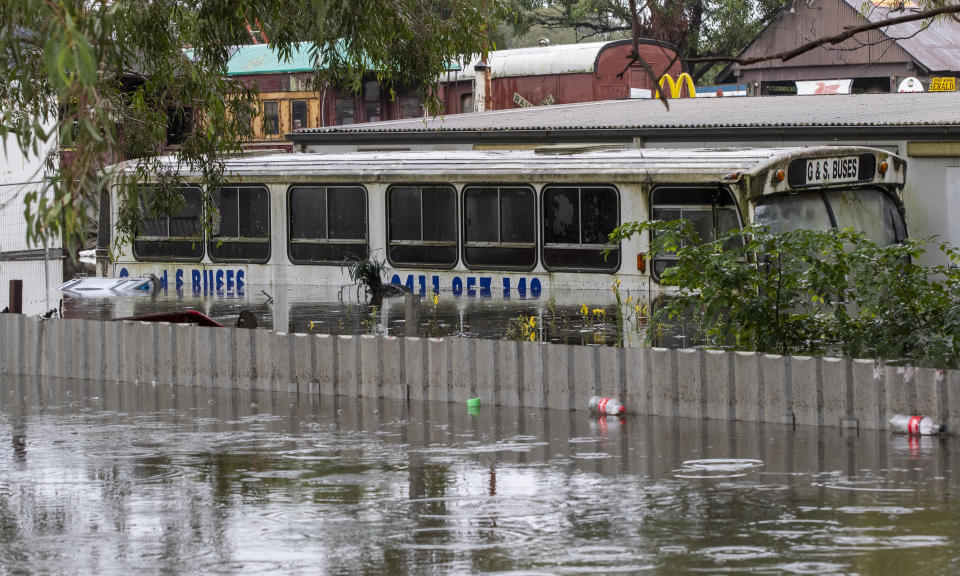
{"x": 373, "y": 322}
{"x": 433, "y": 327}
{"x": 523, "y": 328}
{"x": 365, "y": 273}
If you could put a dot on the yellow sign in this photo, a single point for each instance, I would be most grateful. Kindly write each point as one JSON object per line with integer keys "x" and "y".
{"x": 676, "y": 86}
{"x": 943, "y": 84}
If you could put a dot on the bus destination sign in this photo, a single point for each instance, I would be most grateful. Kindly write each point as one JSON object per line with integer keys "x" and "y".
{"x": 833, "y": 170}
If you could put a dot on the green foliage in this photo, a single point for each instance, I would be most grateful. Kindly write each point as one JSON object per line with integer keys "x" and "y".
{"x": 102, "y": 76}
{"x": 365, "y": 272}
{"x": 809, "y": 292}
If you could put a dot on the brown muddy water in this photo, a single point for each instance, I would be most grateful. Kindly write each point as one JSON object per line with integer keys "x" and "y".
{"x": 102, "y": 478}
{"x": 574, "y": 317}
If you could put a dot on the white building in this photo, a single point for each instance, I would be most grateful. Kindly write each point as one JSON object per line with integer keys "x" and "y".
{"x": 40, "y": 268}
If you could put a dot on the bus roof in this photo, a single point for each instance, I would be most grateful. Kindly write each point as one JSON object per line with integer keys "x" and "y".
{"x": 700, "y": 164}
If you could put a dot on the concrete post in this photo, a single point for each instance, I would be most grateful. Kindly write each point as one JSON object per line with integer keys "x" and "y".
{"x": 393, "y": 368}
{"x": 416, "y": 373}
{"x": 557, "y": 374}
{"x": 663, "y": 382}
{"x": 371, "y": 362}
{"x": 777, "y": 389}
{"x": 690, "y": 383}
{"x": 463, "y": 368}
{"x": 348, "y": 366}
{"x": 438, "y": 378}
{"x": 807, "y": 395}
{"x": 869, "y": 394}
{"x": 326, "y": 352}
{"x": 719, "y": 385}
{"x": 411, "y": 315}
{"x": 532, "y": 393}
{"x": 747, "y": 398}
{"x": 834, "y": 386}
{"x": 487, "y": 354}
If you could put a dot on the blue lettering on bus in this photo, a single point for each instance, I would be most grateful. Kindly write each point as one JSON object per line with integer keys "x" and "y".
{"x": 457, "y": 286}
{"x": 409, "y": 283}
{"x": 485, "y": 286}
{"x": 124, "y": 273}
{"x": 522, "y": 287}
{"x": 163, "y": 280}
{"x": 423, "y": 284}
{"x": 395, "y": 279}
{"x": 535, "y": 287}
{"x": 195, "y": 280}
{"x": 240, "y": 281}
{"x": 229, "y": 280}
{"x": 471, "y": 286}
{"x": 179, "y": 278}
{"x": 436, "y": 284}
{"x": 506, "y": 287}
{"x": 219, "y": 280}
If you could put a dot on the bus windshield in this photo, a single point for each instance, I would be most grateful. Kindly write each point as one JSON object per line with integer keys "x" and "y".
{"x": 864, "y": 209}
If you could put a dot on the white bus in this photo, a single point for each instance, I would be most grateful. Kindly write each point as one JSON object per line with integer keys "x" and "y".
{"x": 515, "y": 223}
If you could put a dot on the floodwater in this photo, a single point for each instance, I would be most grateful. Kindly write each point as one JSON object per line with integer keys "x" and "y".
{"x": 102, "y": 478}
{"x": 573, "y": 317}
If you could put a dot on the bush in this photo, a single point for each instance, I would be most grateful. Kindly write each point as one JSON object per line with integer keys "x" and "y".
{"x": 808, "y": 292}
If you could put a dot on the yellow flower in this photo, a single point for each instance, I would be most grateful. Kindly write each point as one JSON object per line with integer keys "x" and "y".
{"x": 637, "y": 308}
{"x": 533, "y": 321}
{"x": 436, "y": 298}
{"x": 599, "y": 312}
{"x": 533, "y": 336}
{"x": 629, "y": 299}
{"x": 584, "y": 310}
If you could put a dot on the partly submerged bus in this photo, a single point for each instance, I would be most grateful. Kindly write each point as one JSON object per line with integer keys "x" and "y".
{"x": 516, "y": 223}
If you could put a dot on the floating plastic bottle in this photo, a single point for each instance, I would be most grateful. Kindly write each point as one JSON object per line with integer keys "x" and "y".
{"x": 606, "y": 405}
{"x": 916, "y": 425}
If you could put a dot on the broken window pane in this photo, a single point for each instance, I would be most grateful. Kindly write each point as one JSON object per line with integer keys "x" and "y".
{"x": 577, "y": 222}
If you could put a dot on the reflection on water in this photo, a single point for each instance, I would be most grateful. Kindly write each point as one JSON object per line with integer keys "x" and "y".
{"x": 104, "y": 478}
{"x": 574, "y": 317}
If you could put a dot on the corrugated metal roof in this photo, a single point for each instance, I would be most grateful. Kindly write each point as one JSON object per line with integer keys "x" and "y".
{"x": 936, "y": 47}
{"x": 262, "y": 59}
{"x": 543, "y": 60}
{"x": 762, "y": 111}
{"x": 628, "y": 163}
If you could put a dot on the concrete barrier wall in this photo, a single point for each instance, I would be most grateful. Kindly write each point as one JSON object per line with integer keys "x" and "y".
{"x": 813, "y": 391}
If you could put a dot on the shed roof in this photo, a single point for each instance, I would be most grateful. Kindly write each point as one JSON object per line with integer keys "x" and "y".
{"x": 264, "y": 59}
{"x": 841, "y": 111}
{"x": 936, "y": 47}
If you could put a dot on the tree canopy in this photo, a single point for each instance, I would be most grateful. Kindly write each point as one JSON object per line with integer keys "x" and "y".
{"x": 697, "y": 27}
{"x": 108, "y": 76}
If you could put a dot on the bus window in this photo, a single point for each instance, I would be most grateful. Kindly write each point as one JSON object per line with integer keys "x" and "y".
{"x": 711, "y": 211}
{"x": 422, "y": 226}
{"x": 806, "y": 210}
{"x": 869, "y": 211}
{"x": 499, "y": 227}
{"x": 242, "y": 232}
{"x": 327, "y": 223}
{"x": 576, "y": 224}
{"x": 177, "y": 237}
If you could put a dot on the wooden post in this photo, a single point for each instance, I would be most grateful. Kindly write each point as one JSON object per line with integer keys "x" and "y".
{"x": 16, "y": 297}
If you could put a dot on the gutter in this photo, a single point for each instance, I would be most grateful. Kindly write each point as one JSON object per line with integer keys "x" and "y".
{"x": 668, "y": 134}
